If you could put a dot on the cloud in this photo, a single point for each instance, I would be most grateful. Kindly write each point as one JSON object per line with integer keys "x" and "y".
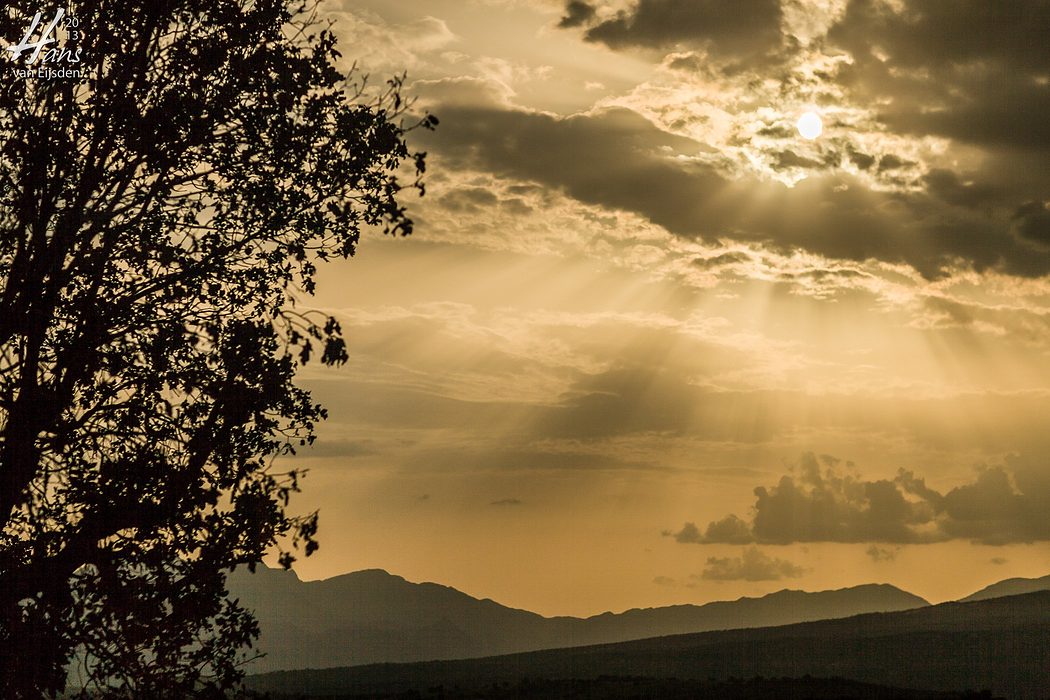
{"x": 571, "y": 377}
{"x": 618, "y": 159}
{"x": 507, "y": 502}
{"x": 1033, "y": 222}
{"x": 728, "y": 530}
{"x": 944, "y": 33}
{"x": 391, "y": 46}
{"x": 722, "y": 260}
{"x": 469, "y": 199}
{"x": 576, "y": 14}
{"x": 879, "y": 554}
{"x": 726, "y": 27}
{"x": 820, "y": 503}
{"x": 689, "y": 534}
{"x": 623, "y": 400}
{"x": 968, "y": 69}
{"x": 664, "y": 581}
{"x": 752, "y": 565}
{"x": 789, "y": 159}
{"x": 949, "y": 187}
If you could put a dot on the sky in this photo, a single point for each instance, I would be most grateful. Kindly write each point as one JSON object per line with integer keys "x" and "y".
{"x": 649, "y": 345}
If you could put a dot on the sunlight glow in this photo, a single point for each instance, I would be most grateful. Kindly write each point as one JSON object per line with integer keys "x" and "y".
{"x": 810, "y": 126}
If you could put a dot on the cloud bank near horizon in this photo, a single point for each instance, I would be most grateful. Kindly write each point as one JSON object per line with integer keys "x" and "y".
{"x": 824, "y": 500}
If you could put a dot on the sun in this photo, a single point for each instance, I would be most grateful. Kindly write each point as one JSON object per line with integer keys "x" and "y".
{"x": 809, "y": 125}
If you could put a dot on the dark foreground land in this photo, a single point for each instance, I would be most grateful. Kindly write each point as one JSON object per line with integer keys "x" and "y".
{"x": 1002, "y": 645}
{"x": 628, "y": 688}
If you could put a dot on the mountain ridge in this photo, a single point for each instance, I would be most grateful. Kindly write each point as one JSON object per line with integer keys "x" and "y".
{"x": 374, "y": 616}
{"x": 1010, "y": 587}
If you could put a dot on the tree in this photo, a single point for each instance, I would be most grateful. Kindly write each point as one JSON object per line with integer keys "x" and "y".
{"x": 162, "y": 212}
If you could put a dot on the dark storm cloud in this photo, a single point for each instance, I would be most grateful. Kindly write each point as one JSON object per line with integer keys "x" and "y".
{"x": 950, "y": 32}
{"x": 728, "y": 27}
{"x": 576, "y": 14}
{"x": 752, "y": 565}
{"x": 949, "y": 187}
{"x": 1008, "y": 111}
{"x": 615, "y": 157}
{"x": 820, "y": 503}
{"x": 968, "y": 69}
{"x": 1033, "y": 222}
{"x": 618, "y": 159}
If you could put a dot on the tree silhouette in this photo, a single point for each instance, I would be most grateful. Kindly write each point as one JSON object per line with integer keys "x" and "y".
{"x": 161, "y": 211}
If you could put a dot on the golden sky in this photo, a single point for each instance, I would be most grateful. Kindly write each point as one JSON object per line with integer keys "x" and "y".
{"x": 649, "y": 345}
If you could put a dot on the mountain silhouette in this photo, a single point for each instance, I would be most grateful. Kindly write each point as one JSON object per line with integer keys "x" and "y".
{"x": 1001, "y": 645}
{"x": 1010, "y": 586}
{"x": 372, "y": 616}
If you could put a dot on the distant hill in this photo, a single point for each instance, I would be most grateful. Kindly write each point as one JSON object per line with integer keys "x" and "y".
{"x": 372, "y": 616}
{"x": 1001, "y": 644}
{"x": 1011, "y": 586}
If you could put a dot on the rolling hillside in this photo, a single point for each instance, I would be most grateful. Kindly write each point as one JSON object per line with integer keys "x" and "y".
{"x": 1002, "y": 644}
